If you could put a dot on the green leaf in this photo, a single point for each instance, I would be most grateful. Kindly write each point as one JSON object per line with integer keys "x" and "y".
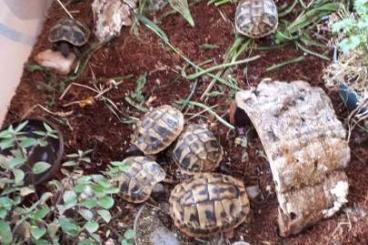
{"x": 42, "y": 242}
{"x": 3, "y": 213}
{"x": 124, "y": 242}
{"x": 70, "y": 197}
{"x": 37, "y": 232}
{"x": 129, "y": 234}
{"x": 105, "y": 215}
{"x": 16, "y": 162}
{"x": 86, "y": 214}
{"x": 5, "y": 134}
{"x": 40, "y": 213}
{"x": 5, "y": 202}
{"x": 183, "y": 8}
{"x": 40, "y": 167}
{"x": 6, "y": 236}
{"x": 69, "y": 227}
{"x": 106, "y": 202}
{"x": 21, "y": 126}
{"x": 18, "y": 176}
{"x": 6, "y": 144}
{"x": 90, "y": 203}
{"x": 28, "y": 142}
{"x": 25, "y": 191}
{"x": 91, "y": 226}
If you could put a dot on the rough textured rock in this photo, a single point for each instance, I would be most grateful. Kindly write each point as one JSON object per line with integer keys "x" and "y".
{"x": 306, "y": 147}
{"x": 110, "y": 16}
{"x": 56, "y": 61}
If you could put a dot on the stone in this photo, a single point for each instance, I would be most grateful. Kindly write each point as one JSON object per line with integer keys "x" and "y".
{"x": 110, "y": 16}
{"x": 55, "y": 61}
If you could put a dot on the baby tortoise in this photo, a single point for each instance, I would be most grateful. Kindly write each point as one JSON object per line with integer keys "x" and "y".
{"x": 197, "y": 150}
{"x": 256, "y": 18}
{"x": 208, "y": 203}
{"x": 140, "y": 178}
{"x": 68, "y": 34}
{"x": 158, "y": 129}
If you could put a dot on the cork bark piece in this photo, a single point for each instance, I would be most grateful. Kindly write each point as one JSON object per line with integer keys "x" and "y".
{"x": 306, "y": 147}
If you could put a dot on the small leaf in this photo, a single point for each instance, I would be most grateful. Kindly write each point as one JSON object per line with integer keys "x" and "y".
{"x": 6, "y": 144}
{"x": 28, "y": 142}
{"x": 37, "y": 232}
{"x": 69, "y": 164}
{"x": 18, "y": 176}
{"x": 40, "y": 167}
{"x": 106, "y": 202}
{"x": 69, "y": 227}
{"x": 21, "y": 126}
{"x": 25, "y": 191}
{"x": 105, "y": 215}
{"x": 40, "y": 213}
{"x": 91, "y": 226}
{"x": 6, "y": 236}
{"x": 70, "y": 197}
{"x": 86, "y": 214}
{"x": 90, "y": 203}
{"x": 129, "y": 234}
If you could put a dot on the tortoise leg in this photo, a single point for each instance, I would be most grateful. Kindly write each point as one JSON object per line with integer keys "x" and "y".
{"x": 65, "y": 49}
{"x": 133, "y": 151}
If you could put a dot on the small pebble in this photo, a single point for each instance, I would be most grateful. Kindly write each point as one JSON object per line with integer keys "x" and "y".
{"x": 253, "y": 191}
{"x": 56, "y": 61}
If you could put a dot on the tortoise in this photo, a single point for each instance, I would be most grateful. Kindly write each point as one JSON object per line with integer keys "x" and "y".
{"x": 256, "y": 18}
{"x": 208, "y": 203}
{"x": 197, "y": 150}
{"x": 137, "y": 182}
{"x": 158, "y": 129}
{"x": 68, "y": 34}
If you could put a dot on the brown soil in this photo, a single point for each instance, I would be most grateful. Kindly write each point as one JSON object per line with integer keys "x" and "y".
{"x": 95, "y": 127}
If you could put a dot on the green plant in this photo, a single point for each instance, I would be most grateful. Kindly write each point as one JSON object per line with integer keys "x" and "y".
{"x": 182, "y": 7}
{"x": 73, "y": 210}
{"x": 128, "y": 238}
{"x": 14, "y": 215}
{"x": 354, "y": 28}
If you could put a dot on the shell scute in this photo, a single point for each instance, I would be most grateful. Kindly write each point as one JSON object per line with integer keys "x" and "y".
{"x": 137, "y": 182}
{"x": 208, "y": 203}
{"x": 71, "y": 31}
{"x": 197, "y": 150}
{"x": 256, "y": 18}
{"x": 158, "y": 129}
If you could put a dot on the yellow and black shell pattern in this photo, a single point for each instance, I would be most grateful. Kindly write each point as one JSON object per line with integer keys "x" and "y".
{"x": 138, "y": 181}
{"x": 70, "y": 31}
{"x": 256, "y": 18}
{"x": 209, "y": 203}
{"x": 197, "y": 150}
{"x": 158, "y": 129}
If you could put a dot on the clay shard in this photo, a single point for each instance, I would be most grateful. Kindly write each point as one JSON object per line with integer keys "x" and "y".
{"x": 306, "y": 147}
{"x": 299, "y": 130}
{"x": 110, "y": 16}
{"x": 56, "y": 61}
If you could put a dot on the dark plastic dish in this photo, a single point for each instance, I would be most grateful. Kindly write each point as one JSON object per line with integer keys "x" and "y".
{"x": 52, "y": 153}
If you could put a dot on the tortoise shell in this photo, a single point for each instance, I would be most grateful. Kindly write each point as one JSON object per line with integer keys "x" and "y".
{"x": 137, "y": 182}
{"x": 256, "y": 18}
{"x": 71, "y": 31}
{"x": 208, "y": 203}
{"x": 197, "y": 150}
{"x": 158, "y": 129}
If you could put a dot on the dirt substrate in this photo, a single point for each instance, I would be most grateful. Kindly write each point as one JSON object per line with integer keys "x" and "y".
{"x": 95, "y": 127}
